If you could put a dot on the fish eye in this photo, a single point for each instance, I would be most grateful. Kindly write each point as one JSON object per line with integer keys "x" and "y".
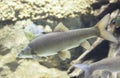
{"x": 113, "y": 21}
{"x": 22, "y": 52}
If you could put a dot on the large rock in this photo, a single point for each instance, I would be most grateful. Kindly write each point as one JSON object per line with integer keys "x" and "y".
{"x": 39, "y": 9}
{"x": 12, "y": 40}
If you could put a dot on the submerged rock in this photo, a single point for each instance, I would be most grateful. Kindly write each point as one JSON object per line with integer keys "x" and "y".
{"x": 39, "y": 9}
{"x": 12, "y": 40}
{"x": 32, "y": 69}
{"x": 46, "y": 14}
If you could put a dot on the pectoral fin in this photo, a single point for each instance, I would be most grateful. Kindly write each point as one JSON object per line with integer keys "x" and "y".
{"x": 60, "y": 28}
{"x": 64, "y": 55}
{"x": 35, "y": 57}
{"x": 85, "y": 45}
{"x": 38, "y": 58}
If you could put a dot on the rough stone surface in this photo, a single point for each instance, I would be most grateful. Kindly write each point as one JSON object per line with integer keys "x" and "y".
{"x": 12, "y": 41}
{"x": 45, "y": 13}
{"x": 40, "y": 9}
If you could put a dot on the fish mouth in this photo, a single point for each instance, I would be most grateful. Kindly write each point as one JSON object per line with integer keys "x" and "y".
{"x": 19, "y": 55}
{"x": 117, "y": 30}
{"x": 118, "y": 26}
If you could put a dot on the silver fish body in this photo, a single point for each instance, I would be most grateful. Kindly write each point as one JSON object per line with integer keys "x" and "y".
{"x": 108, "y": 64}
{"x": 54, "y": 42}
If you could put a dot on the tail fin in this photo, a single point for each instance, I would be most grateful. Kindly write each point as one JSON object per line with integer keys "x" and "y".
{"x": 85, "y": 68}
{"x": 101, "y": 25}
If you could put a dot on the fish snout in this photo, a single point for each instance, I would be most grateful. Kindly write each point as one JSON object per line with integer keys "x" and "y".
{"x": 19, "y": 55}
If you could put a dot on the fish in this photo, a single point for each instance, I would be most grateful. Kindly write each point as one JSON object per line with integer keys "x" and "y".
{"x": 108, "y": 64}
{"x": 60, "y": 42}
{"x": 116, "y": 22}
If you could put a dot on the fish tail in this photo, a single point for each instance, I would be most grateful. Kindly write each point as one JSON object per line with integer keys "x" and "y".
{"x": 86, "y": 69}
{"x": 102, "y": 25}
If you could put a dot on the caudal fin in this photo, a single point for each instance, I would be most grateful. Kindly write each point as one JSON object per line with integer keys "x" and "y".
{"x": 101, "y": 25}
{"x": 85, "y": 68}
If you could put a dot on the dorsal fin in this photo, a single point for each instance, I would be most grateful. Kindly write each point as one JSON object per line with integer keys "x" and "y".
{"x": 60, "y": 28}
{"x": 47, "y": 29}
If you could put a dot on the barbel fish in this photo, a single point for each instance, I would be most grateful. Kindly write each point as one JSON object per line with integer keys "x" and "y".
{"x": 108, "y": 64}
{"x": 60, "y": 42}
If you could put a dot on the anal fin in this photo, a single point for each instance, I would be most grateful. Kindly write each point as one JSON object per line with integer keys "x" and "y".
{"x": 64, "y": 54}
{"x": 85, "y": 45}
{"x": 38, "y": 58}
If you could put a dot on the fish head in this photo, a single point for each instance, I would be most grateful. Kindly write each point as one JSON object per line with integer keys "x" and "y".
{"x": 116, "y": 22}
{"x": 25, "y": 53}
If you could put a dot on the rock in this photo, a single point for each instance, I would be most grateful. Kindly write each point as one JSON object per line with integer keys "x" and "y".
{"x": 32, "y": 69}
{"x": 12, "y": 40}
{"x": 36, "y": 9}
{"x": 73, "y": 22}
